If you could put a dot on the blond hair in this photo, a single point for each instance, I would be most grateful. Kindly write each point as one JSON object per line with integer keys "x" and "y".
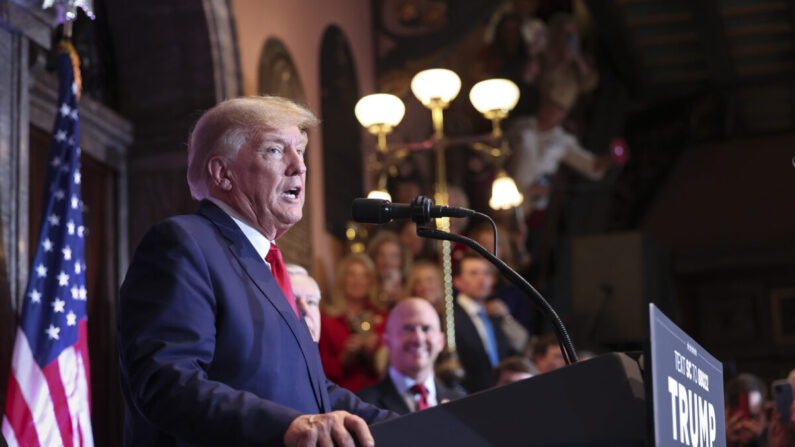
{"x": 335, "y": 306}
{"x": 225, "y": 128}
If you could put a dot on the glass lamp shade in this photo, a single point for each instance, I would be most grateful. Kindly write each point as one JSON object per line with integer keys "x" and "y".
{"x": 504, "y": 194}
{"x": 494, "y": 95}
{"x": 436, "y": 85}
{"x": 379, "y": 194}
{"x": 381, "y": 110}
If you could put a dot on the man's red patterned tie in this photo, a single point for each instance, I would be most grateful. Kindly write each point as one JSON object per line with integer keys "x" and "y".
{"x": 274, "y": 258}
{"x": 419, "y": 389}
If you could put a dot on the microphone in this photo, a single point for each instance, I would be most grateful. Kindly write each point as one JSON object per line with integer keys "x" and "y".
{"x": 420, "y": 211}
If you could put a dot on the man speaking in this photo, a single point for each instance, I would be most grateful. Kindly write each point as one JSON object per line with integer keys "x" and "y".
{"x": 211, "y": 345}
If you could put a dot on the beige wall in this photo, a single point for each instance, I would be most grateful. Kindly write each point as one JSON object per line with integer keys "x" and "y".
{"x": 300, "y": 25}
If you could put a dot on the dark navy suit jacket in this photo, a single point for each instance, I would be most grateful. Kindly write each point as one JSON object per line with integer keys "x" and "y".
{"x": 471, "y": 352}
{"x": 385, "y": 395}
{"x": 211, "y": 353}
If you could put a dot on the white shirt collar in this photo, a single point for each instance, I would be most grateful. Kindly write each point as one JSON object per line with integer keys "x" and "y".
{"x": 404, "y": 383}
{"x": 469, "y": 305}
{"x": 257, "y": 239}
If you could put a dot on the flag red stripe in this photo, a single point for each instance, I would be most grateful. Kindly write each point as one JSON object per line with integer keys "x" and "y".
{"x": 52, "y": 373}
{"x": 19, "y": 416}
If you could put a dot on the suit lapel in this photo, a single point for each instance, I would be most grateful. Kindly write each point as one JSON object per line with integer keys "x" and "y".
{"x": 390, "y": 398}
{"x": 261, "y": 276}
{"x": 466, "y": 328}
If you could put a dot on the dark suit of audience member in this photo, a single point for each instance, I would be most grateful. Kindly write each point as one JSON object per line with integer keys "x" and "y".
{"x": 414, "y": 339}
{"x": 480, "y": 341}
{"x": 385, "y": 394}
{"x": 472, "y": 353}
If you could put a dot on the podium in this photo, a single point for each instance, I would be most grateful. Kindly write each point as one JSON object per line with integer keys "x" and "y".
{"x": 597, "y": 402}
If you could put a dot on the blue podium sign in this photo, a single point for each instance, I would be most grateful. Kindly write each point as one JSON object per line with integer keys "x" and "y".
{"x": 687, "y": 388}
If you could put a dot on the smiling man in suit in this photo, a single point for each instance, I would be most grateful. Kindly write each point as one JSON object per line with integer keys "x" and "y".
{"x": 414, "y": 340}
{"x": 212, "y": 348}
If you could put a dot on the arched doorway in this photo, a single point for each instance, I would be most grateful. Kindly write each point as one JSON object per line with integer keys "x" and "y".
{"x": 339, "y": 91}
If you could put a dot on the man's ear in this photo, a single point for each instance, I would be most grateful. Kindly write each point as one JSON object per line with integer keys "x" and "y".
{"x": 439, "y": 339}
{"x": 220, "y": 174}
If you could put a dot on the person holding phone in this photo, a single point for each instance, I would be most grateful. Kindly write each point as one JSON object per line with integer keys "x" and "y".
{"x": 781, "y": 432}
{"x": 746, "y": 418}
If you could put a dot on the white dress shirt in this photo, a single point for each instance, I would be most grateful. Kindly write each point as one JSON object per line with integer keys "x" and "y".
{"x": 403, "y": 385}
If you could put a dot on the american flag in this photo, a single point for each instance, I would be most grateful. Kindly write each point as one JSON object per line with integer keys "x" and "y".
{"x": 48, "y": 399}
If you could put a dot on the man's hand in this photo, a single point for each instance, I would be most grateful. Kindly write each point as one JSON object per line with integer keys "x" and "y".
{"x": 497, "y": 308}
{"x": 328, "y": 430}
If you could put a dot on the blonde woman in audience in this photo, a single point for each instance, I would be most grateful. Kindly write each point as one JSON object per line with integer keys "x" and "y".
{"x": 352, "y": 324}
{"x": 391, "y": 264}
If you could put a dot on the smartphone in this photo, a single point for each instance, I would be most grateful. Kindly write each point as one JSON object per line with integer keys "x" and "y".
{"x": 619, "y": 150}
{"x": 738, "y": 404}
{"x": 782, "y": 396}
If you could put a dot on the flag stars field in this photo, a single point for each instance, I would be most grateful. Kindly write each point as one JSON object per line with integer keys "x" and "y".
{"x": 53, "y": 332}
{"x": 58, "y": 305}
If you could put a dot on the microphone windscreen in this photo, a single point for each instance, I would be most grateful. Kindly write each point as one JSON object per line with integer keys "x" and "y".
{"x": 370, "y": 210}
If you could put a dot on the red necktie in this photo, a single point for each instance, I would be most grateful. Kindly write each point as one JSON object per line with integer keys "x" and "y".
{"x": 422, "y": 402}
{"x": 274, "y": 258}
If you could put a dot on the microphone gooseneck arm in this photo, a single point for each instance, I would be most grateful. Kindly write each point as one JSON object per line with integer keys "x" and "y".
{"x": 569, "y": 354}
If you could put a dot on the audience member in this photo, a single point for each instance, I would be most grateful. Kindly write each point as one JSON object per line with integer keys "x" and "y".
{"x": 417, "y": 247}
{"x": 307, "y": 297}
{"x": 480, "y": 340}
{"x": 564, "y": 69}
{"x": 533, "y": 29}
{"x": 352, "y": 325}
{"x": 391, "y": 264}
{"x": 508, "y": 304}
{"x": 512, "y": 369}
{"x": 746, "y": 420}
{"x": 547, "y": 355}
{"x": 510, "y": 56}
{"x": 540, "y": 145}
{"x": 425, "y": 281}
{"x": 414, "y": 339}
{"x": 781, "y": 431}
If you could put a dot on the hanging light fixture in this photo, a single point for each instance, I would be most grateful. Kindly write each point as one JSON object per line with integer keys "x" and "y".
{"x": 379, "y": 114}
{"x": 494, "y": 98}
{"x": 504, "y": 193}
